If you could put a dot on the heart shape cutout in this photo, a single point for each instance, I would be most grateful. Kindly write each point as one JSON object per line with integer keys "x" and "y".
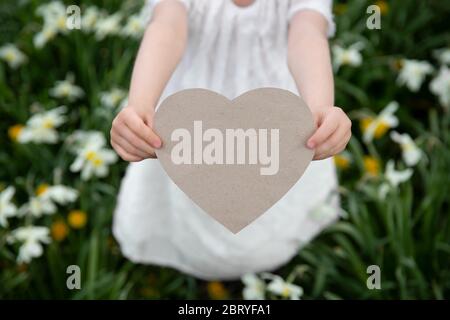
{"x": 235, "y": 159}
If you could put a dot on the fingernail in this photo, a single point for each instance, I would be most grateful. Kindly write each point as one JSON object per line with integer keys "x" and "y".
{"x": 157, "y": 144}
{"x": 310, "y": 144}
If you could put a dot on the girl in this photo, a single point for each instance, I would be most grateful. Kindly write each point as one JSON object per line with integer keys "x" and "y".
{"x": 229, "y": 46}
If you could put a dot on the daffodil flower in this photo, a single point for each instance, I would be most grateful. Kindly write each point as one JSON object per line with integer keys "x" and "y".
{"x": 46, "y": 198}
{"x": 443, "y": 56}
{"x": 343, "y": 160}
{"x": 41, "y": 127}
{"x": 112, "y": 98}
{"x": 284, "y": 289}
{"x": 55, "y": 17}
{"x": 7, "y": 208}
{"x": 410, "y": 152}
{"x": 135, "y": 26}
{"x": 413, "y": 73}
{"x": 90, "y": 17}
{"x": 440, "y": 86}
{"x": 67, "y": 89}
{"x": 393, "y": 178}
{"x": 12, "y": 55}
{"x": 32, "y": 238}
{"x": 93, "y": 159}
{"x": 386, "y": 119}
{"x": 350, "y": 56}
{"x": 109, "y": 25}
{"x": 254, "y": 287}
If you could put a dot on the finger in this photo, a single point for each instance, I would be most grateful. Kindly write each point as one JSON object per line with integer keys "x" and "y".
{"x": 136, "y": 141}
{"x": 135, "y": 124}
{"x": 124, "y": 154}
{"x": 334, "y": 141}
{"x": 327, "y": 146}
{"x": 326, "y": 129}
{"x": 335, "y": 145}
{"x": 129, "y": 148}
{"x": 341, "y": 147}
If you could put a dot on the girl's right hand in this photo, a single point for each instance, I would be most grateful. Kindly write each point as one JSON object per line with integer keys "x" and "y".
{"x": 132, "y": 135}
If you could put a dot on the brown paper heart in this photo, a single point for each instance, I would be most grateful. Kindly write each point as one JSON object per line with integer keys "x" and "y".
{"x": 238, "y": 191}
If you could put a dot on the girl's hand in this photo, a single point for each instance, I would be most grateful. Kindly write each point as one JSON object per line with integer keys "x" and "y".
{"x": 333, "y": 132}
{"x": 132, "y": 135}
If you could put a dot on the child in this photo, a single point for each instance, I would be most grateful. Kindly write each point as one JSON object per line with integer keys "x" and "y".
{"x": 229, "y": 46}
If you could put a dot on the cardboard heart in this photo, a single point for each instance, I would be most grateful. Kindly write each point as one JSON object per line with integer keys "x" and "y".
{"x": 223, "y": 154}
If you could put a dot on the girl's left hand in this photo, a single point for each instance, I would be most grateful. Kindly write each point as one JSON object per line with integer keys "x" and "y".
{"x": 332, "y": 134}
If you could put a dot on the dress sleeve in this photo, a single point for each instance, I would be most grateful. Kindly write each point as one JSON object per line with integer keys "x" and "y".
{"x": 150, "y": 5}
{"x": 323, "y": 7}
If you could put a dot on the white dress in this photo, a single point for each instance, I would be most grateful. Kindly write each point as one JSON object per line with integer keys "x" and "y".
{"x": 230, "y": 50}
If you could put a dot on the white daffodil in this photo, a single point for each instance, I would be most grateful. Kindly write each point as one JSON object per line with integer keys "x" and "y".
{"x": 38, "y": 206}
{"x": 410, "y": 152}
{"x": 413, "y": 73}
{"x": 67, "y": 89}
{"x": 393, "y": 178}
{"x": 41, "y": 127}
{"x": 93, "y": 162}
{"x": 325, "y": 212}
{"x": 350, "y": 56}
{"x": 440, "y": 86}
{"x": 46, "y": 198}
{"x": 80, "y": 140}
{"x": 90, "y": 17}
{"x": 32, "y": 238}
{"x": 54, "y": 15}
{"x": 443, "y": 56}
{"x": 51, "y": 10}
{"x": 385, "y": 119}
{"x": 61, "y": 194}
{"x": 112, "y": 98}
{"x": 93, "y": 159}
{"x": 44, "y": 36}
{"x": 254, "y": 287}
{"x": 135, "y": 26}
{"x": 284, "y": 289}
{"x": 109, "y": 25}
{"x": 12, "y": 55}
{"x": 7, "y": 208}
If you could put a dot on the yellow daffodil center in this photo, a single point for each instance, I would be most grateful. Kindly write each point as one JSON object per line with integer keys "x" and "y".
{"x": 77, "y": 219}
{"x": 14, "y": 131}
{"x": 59, "y": 230}
{"x": 407, "y": 146}
{"x": 48, "y": 33}
{"x": 383, "y": 5}
{"x": 61, "y": 22}
{"x": 341, "y": 161}
{"x": 381, "y": 126}
{"x": 10, "y": 56}
{"x": 65, "y": 89}
{"x": 48, "y": 124}
{"x": 340, "y": 8}
{"x": 286, "y": 292}
{"x": 217, "y": 290}
{"x": 41, "y": 189}
{"x": 371, "y": 165}
{"x": 93, "y": 157}
{"x": 346, "y": 59}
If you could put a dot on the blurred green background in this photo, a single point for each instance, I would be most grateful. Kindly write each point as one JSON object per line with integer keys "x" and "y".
{"x": 59, "y": 178}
